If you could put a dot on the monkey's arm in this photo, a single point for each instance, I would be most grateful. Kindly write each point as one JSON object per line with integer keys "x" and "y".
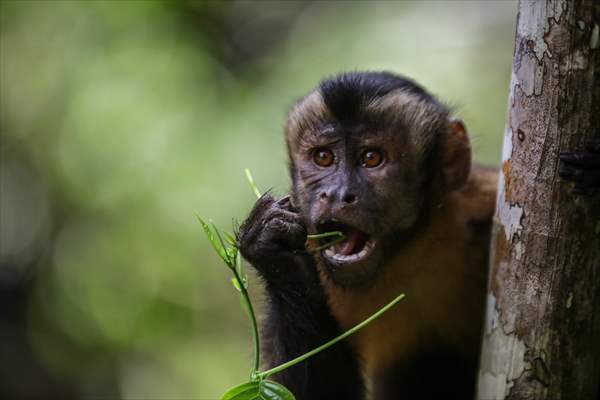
{"x": 298, "y": 318}
{"x": 583, "y": 168}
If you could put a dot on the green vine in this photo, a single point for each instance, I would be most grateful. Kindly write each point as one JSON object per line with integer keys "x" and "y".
{"x": 259, "y": 387}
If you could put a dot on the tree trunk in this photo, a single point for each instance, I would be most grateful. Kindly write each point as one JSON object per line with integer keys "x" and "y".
{"x": 542, "y": 330}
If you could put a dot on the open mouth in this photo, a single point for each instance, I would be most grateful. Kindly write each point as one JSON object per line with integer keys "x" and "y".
{"x": 356, "y": 245}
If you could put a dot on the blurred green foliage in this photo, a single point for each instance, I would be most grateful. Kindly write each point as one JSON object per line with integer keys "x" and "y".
{"x": 120, "y": 120}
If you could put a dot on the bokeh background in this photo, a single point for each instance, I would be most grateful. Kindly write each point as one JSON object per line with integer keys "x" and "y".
{"x": 119, "y": 120}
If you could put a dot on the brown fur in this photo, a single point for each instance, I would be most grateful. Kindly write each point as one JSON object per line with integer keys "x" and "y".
{"x": 443, "y": 274}
{"x": 303, "y": 117}
{"x": 428, "y": 200}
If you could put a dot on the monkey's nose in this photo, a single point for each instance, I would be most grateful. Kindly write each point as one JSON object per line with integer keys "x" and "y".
{"x": 346, "y": 198}
{"x": 349, "y": 198}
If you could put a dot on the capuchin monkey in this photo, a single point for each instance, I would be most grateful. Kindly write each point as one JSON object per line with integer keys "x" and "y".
{"x": 375, "y": 156}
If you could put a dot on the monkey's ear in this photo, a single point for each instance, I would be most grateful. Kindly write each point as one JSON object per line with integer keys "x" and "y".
{"x": 456, "y": 155}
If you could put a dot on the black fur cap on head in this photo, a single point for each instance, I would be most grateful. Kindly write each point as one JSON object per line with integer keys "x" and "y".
{"x": 383, "y": 101}
{"x": 346, "y": 94}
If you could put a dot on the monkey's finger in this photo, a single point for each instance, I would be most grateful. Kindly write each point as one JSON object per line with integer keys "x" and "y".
{"x": 591, "y": 179}
{"x": 585, "y": 190}
{"x": 265, "y": 211}
{"x": 251, "y": 227}
{"x": 277, "y": 212}
{"x": 593, "y": 145}
{"x": 282, "y": 220}
{"x": 580, "y": 158}
{"x": 570, "y": 173}
{"x": 286, "y": 203}
{"x": 587, "y": 181}
{"x": 262, "y": 204}
{"x": 290, "y": 234}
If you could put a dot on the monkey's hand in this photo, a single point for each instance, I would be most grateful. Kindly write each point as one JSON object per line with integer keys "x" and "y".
{"x": 298, "y": 318}
{"x": 583, "y": 168}
{"x": 272, "y": 239}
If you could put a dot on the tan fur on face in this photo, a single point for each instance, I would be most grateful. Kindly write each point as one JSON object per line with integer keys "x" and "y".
{"x": 304, "y": 117}
{"x": 396, "y": 108}
{"x": 423, "y": 118}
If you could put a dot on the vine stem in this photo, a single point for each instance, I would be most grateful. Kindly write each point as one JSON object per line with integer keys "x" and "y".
{"x": 356, "y": 328}
{"x": 255, "y": 375}
{"x": 250, "y": 309}
{"x": 326, "y": 234}
{"x": 339, "y": 234}
{"x": 252, "y": 183}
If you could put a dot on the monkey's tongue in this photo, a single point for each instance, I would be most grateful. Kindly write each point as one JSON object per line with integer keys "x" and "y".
{"x": 354, "y": 242}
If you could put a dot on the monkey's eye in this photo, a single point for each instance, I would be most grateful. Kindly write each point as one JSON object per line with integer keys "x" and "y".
{"x": 323, "y": 157}
{"x": 371, "y": 158}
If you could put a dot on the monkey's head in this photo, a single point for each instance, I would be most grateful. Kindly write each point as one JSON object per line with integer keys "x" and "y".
{"x": 370, "y": 154}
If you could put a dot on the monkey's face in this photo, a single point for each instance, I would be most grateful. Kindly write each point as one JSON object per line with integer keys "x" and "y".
{"x": 366, "y": 176}
{"x": 360, "y": 180}
{"x": 369, "y": 155}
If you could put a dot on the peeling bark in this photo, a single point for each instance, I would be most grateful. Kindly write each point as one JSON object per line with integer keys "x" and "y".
{"x": 542, "y": 333}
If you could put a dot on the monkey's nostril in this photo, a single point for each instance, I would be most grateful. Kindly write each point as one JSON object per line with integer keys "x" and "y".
{"x": 349, "y": 198}
{"x": 323, "y": 196}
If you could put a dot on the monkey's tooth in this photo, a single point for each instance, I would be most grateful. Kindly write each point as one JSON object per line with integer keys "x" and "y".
{"x": 334, "y": 253}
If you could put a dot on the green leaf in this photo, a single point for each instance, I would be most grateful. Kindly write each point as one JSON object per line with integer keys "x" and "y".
{"x": 230, "y": 239}
{"x": 226, "y": 258}
{"x": 216, "y": 242}
{"x": 232, "y": 253}
{"x": 238, "y": 266}
{"x": 236, "y": 284}
{"x": 339, "y": 234}
{"x": 259, "y": 390}
{"x": 252, "y": 183}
